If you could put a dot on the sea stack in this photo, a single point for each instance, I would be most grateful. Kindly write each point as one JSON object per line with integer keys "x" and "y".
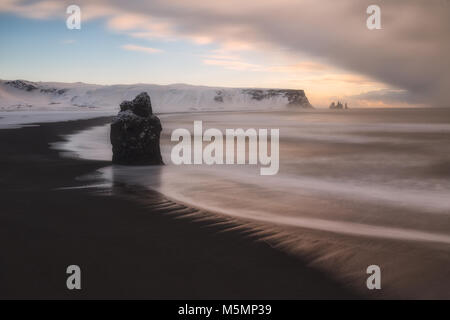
{"x": 135, "y": 133}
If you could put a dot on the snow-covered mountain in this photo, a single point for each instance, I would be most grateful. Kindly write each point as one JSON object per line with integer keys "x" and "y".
{"x": 40, "y": 96}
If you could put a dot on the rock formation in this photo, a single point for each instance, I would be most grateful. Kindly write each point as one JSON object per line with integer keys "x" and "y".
{"x": 135, "y": 133}
{"x": 295, "y": 98}
{"x": 22, "y": 85}
{"x": 338, "y": 105}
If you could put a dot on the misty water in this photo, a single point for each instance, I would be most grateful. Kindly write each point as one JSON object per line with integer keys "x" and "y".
{"x": 354, "y": 188}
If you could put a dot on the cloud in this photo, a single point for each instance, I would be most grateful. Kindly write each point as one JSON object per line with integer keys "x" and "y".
{"x": 34, "y": 9}
{"x": 305, "y": 66}
{"x": 234, "y": 61}
{"x": 386, "y": 97}
{"x": 346, "y": 78}
{"x": 232, "y": 64}
{"x": 133, "y": 47}
{"x": 409, "y": 53}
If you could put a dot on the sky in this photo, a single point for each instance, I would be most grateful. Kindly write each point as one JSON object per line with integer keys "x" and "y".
{"x": 321, "y": 46}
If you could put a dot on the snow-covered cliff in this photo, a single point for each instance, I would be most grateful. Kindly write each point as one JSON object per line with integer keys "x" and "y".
{"x": 26, "y": 95}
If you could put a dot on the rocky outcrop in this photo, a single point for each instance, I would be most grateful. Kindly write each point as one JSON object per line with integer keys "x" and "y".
{"x": 295, "y": 98}
{"x": 219, "y": 97}
{"x": 135, "y": 133}
{"x": 22, "y": 85}
{"x": 31, "y": 86}
{"x": 338, "y": 105}
{"x": 54, "y": 91}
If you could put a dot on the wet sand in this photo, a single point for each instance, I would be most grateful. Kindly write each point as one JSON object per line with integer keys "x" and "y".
{"x": 126, "y": 247}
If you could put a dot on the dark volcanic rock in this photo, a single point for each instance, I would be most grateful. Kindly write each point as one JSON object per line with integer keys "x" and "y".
{"x": 338, "y": 105}
{"x": 54, "y": 91}
{"x": 135, "y": 133}
{"x": 295, "y": 98}
{"x": 141, "y": 105}
{"x": 22, "y": 85}
{"x": 218, "y": 97}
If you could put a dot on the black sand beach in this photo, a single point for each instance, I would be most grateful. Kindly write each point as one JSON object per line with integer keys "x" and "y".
{"x": 125, "y": 248}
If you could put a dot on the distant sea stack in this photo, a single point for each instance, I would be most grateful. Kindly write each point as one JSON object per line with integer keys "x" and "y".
{"x": 135, "y": 133}
{"x": 338, "y": 105}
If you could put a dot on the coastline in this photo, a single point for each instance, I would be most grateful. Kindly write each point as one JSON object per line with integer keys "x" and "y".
{"x": 125, "y": 248}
